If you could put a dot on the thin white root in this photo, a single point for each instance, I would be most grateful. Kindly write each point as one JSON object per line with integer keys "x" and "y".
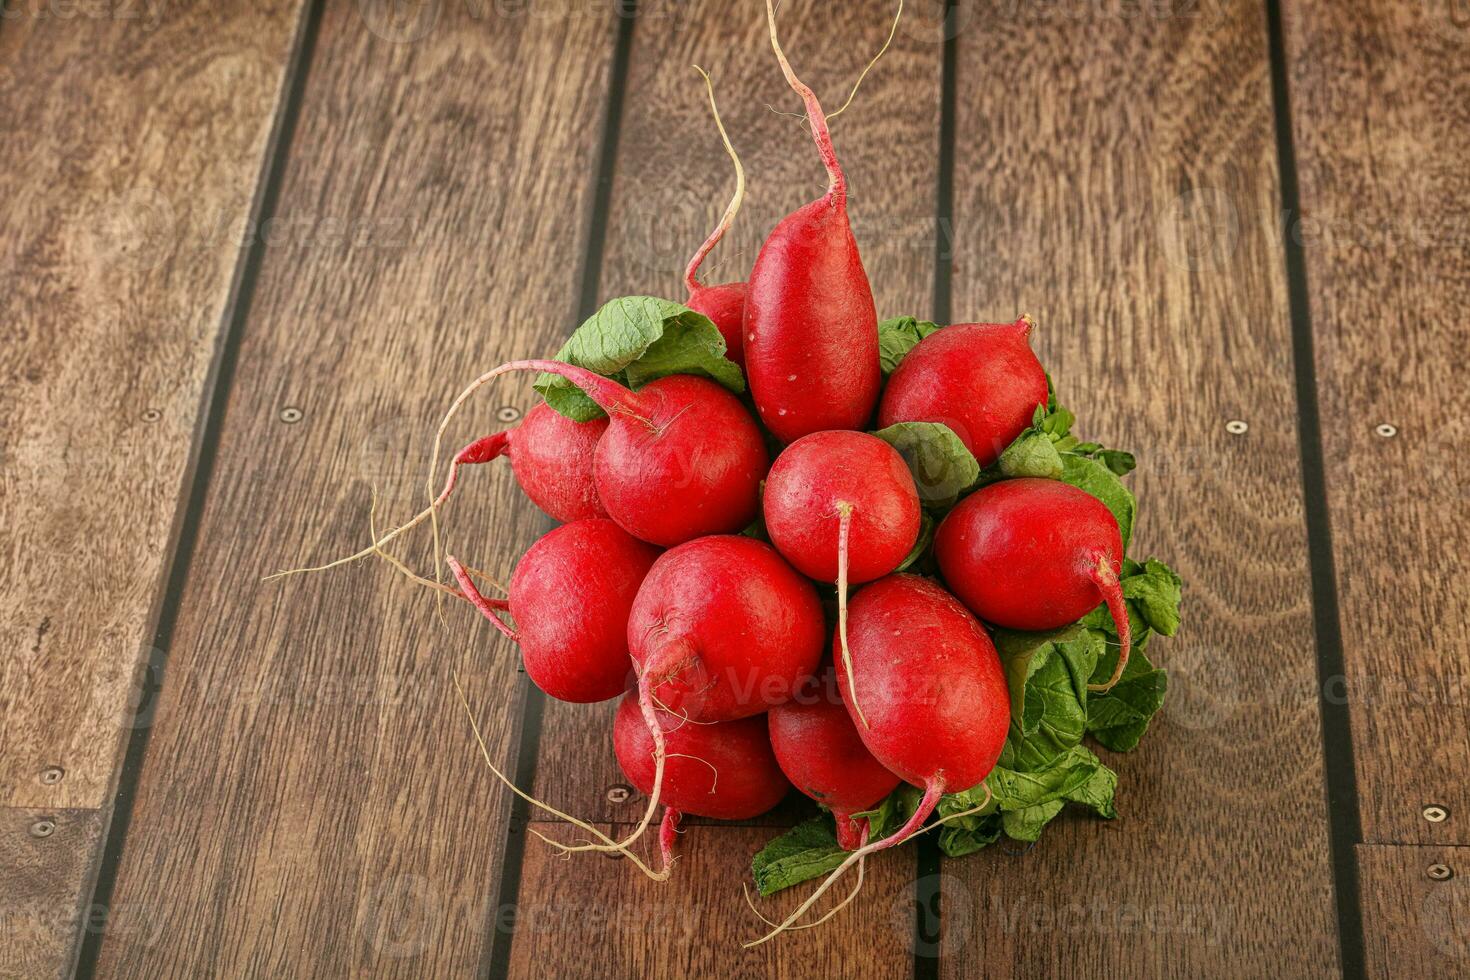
{"x": 844, "y": 528}
{"x": 731, "y": 209}
{"x": 581, "y": 824}
{"x": 857, "y": 887}
{"x": 410, "y": 574}
{"x": 857, "y": 84}
{"x": 853, "y": 858}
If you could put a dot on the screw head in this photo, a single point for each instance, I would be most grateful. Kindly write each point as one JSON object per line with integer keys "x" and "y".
{"x": 1439, "y": 872}
{"x": 508, "y": 413}
{"x": 1237, "y": 427}
{"x": 44, "y": 827}
{"x": 152, "y": 415}
{"x": 52, "y": 775}
{"x": 291, "y": 415}
{"x": 619, "y": 794}
{"x": 1435, "y": 813}
{"x": 1387, "y": 431}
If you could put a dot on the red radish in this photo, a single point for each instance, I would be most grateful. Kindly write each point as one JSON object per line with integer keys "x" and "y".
{"x": 980, "y": 379}
{"x": 722, "y": 628}
{"x": 570, "y": 596}
{"x": 1032, "y": 554}
{"x": 723, "y": 304}
{"x": 811, "y": 329}
{"x": 725, "y": 770}
{"x": 681, "y": 456}
{"x": 935, "y": 695}
{"x": 842, "y": 507}
{"x": 551, "y": 457}
{"x": 823, "y": 755}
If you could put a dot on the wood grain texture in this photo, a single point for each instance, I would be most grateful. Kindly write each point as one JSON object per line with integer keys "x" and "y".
{"x": 312, "y": 802}
{"x": 46, "y": 859}
{"x": 1385, "y": 230}
{"x": 143, "y": 139}
{"x": 1116, "y": 179}
{"x": 1420, "y": 925}
{"x": 628, "y": 926}
{"x": 673, "y": 180}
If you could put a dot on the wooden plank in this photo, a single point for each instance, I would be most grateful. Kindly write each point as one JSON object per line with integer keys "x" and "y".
{"x": 136, "y": 136}
{"x": 1420, "y": 919}
{"x": 1382, "y": 146}
{"x": 673, "y": 180}
{"x": 45, "y": 862}
{"x": 1116, "y": 178}
{"x": 312, "y": 803}
{"x": 628, "y": 926}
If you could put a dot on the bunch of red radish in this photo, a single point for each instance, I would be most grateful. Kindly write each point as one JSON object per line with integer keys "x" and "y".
{"x": 689, "y": 573}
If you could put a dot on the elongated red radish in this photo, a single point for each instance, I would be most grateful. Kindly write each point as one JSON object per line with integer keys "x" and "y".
{"x": 937, "y": 703}
{"x": 724, "y": 770}
{"x": 570, "y": 596}
{"x": 842, "y": 507}
{"x": 811, "y": 329}
{"x": 723, "y": 304}
{"x": 980, "y": 379}
{"x": 823, "y": 755}
{"x": 724, "y": 628}
{"x": 681, "y": 456}
{"x": 551, "y": 457}
{"x": 1032, "y": 554}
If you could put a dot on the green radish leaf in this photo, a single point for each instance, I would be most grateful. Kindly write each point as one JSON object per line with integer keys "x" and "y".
{"x": 635, "y": 340}
{"x": 1155, "y": 592}
{"x": 942, "y": 467}
{"x": 957, "y": 841}
{"x": 808, "y": 850}
{"x": 1119, "y": 718}
{"x": 891, "y": 814}
{"x": 898, "y": 336}
{"x": 1026, "y": 824}
{"x": 1048, "y": 675}
{"x": 1088, "y": 474}
{"x": 1033, "y": 453}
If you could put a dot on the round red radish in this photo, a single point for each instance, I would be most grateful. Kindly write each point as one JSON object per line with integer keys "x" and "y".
{"x": 930, "y": 683}
{"x": 1034, "y": 554}
{"x": 980, "y": 379}
{"x": 681, "y": 456}
{"x": 570, "y": 597}
{"x": 725, "y": 770}
{"x": 551, "y": 457}
{"x": 811, "y": 329}
{"x": 823, "y": 755}
{"x": 821, "y": 477}
{"x": 723, "y": 628}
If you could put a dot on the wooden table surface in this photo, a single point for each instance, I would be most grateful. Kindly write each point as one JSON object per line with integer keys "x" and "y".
{"x": 249, "y": 251}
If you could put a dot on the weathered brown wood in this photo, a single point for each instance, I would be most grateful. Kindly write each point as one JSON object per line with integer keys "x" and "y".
{"x": 1116, "y": 178}
{"x": 45, "y": 861}
{"x": 674, "y": 178}
{"x": 312, "y": 802}
{"x": 1382, "y": 143}
{"x": 1420, "y": 921}
{"x": 135, "y": 136}
{"x": 577, "y": 921}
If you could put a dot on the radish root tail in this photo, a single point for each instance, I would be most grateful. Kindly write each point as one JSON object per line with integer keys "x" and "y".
{"x": 844, "y": 529}
{"x": 932, "y": 793}
{"x": 858, "y": 84}
{"x": 1112, "y": 592}
{"x": 836, "y": 182}
{"x": 582, "y": 824}
{"x": 728, "y": 218}
{"x": 668, "y": 830}
{"x": 480, "y": 451}
{"x": 856, "y": 887}
{"x": 489, "y": 608}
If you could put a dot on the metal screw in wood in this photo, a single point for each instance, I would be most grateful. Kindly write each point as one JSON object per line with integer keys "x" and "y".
{"x": 44, "y": 827}
{"x": 1237, "y": 427}
{"x": 1387, "y": 431}
{"x": 291, "y": 415}
{"x": 508, "y": 413}
{"x": 152, "y": 415}
{"x": 619, "y": 794}
{"x": 52, "y": 775}
{"x": 1439, "y": 872}
{"x": 1435, "y": 813}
